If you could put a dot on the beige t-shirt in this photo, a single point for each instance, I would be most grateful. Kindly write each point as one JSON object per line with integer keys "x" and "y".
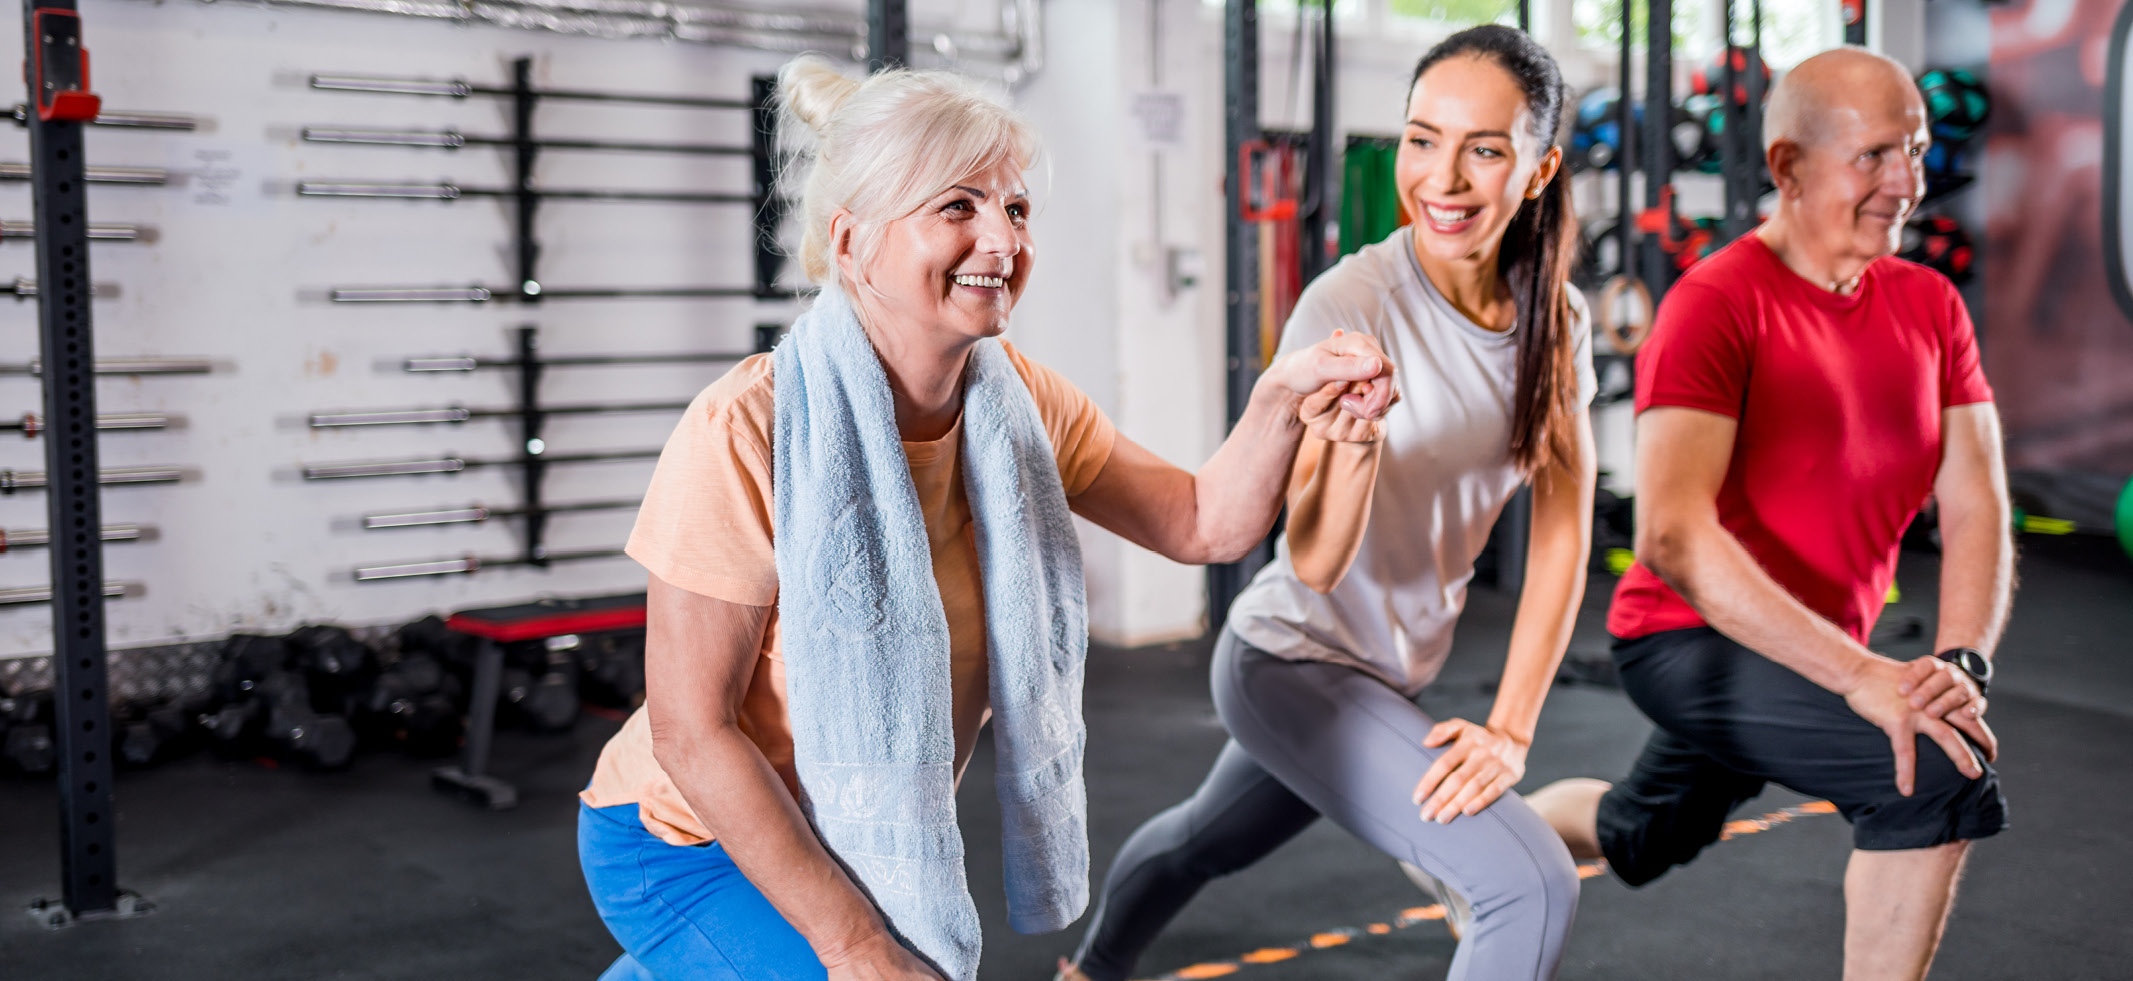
{"x": 1443, "y": 477}
{"x": 706, "y": 527}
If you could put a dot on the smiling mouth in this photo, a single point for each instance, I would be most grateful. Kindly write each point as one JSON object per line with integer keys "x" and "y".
{"x": 984, "y": 282}
{"x": 1449, "y": 216}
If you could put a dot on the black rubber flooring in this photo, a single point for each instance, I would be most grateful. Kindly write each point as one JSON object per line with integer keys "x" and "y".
{"x": 261, "y": 873}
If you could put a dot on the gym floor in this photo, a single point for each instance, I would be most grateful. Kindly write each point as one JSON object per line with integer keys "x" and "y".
{"x": 368, "y": 874}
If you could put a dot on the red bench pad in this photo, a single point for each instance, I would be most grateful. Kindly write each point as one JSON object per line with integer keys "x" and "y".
{"x": 551, "y": 618}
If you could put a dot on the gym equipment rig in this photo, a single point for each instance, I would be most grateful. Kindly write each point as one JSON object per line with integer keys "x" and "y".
{"x": 56, "y": 69}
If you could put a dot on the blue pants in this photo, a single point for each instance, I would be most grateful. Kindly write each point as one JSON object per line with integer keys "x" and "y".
{"x": 683, "y": 912}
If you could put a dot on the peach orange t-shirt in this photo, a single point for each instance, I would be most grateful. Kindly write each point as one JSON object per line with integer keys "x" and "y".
{"x": 706, "y": 527}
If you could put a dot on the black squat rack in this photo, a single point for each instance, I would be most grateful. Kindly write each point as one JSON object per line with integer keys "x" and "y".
{"x": 57, "y": 73}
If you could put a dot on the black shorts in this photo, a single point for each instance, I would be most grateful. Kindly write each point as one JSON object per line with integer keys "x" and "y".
{"x": 1730, "y": 720}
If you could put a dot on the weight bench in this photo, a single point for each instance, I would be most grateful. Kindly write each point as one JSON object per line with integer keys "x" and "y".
{"x": 499, "y": 625}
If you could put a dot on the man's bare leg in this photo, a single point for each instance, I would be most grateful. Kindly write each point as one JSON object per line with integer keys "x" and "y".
{"x": 1572, "y": 808}
{"x": 1896, "y": 904}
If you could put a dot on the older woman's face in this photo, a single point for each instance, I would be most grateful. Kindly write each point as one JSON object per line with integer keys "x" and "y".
{"x": 959, "y": 263}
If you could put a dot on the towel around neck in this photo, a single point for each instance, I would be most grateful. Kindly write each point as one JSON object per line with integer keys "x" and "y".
{"x": 867, "y": 648}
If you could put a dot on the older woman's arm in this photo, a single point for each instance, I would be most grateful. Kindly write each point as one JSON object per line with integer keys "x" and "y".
{"x": 700, "y": 655}
{"x": 1218, "y": 514}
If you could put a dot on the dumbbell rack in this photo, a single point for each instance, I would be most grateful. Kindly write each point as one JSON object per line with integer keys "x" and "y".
{"x": 532, "y": 459}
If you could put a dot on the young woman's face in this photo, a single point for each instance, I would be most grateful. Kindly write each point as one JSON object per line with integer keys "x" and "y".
{"x": 956, "y": 265}
{"x": 1468, "y": 160}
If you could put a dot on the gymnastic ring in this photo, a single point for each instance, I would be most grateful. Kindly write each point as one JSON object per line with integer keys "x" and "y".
{"x": 1625, "y": 337}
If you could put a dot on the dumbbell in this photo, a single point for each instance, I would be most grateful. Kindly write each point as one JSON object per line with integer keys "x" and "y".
{"x": 430, "y": 636}
{"x": 415, "y": 704}
{"x": 266, "y": 707}
{"x": 30, "y": 750}
{"x": 611, "y": 669}
{"x": 247, "y": 659}
{"x": 28, "y": 745}
{"x": 547, "y": 702}
{"x": 233, "y": 713}
{"x": 297, "y": 732}
{"x": 233, "y": 727}
{"x": 161, "y": 733}
{"x": 337, "y": 665}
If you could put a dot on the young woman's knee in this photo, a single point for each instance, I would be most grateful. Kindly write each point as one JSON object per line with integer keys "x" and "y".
{"x": 1536, "y": 874}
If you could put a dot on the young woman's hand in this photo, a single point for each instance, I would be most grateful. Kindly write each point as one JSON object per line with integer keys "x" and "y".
{"x": 1343, "y": 374}
{"x": 1326, "y": 415}
{"x": 878, "y": 958}
{"x": 1477, "y": 766}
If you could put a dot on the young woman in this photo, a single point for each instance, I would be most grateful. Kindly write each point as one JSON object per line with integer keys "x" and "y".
{"x": 860, "y": 552}
{"x": 1316, "y": 670}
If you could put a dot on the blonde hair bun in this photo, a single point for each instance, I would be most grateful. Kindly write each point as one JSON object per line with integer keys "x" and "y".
{"x": 812, "y": 90}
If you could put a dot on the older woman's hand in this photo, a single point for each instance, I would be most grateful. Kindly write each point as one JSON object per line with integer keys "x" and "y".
{"x": 1345, "y": 384}
{"x": 878, "y": 958}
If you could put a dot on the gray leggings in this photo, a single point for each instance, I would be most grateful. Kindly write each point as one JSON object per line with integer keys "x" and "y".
{"x": 1310, "y": 738}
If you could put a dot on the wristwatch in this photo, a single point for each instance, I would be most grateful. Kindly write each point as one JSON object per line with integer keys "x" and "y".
{"x": 1973, "y": 663}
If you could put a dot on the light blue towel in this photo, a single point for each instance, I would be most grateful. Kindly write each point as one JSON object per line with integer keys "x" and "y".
{"x": 866, "y": 641}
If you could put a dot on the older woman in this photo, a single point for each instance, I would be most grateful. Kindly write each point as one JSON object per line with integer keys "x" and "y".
{"x": 860, "y": 551}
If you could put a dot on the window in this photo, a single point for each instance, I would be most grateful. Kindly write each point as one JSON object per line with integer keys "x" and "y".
{"x": 1457, "y": 13}
{"x": 1795, "y": 29}
{"x": 1271, "y": 10}
{"x": 1599, "y": 24}
{"x": 1792, "y": 29}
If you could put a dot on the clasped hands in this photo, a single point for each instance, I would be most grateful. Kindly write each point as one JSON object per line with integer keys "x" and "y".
{"x": 1343, "y": 386}
{"x": 1925, "y": 697}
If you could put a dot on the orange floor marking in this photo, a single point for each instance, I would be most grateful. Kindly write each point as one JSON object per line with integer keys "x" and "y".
{"x": 1419, "y": 914}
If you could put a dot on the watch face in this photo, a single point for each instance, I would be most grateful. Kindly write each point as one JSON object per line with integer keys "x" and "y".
{"x": 1972, "y": 662}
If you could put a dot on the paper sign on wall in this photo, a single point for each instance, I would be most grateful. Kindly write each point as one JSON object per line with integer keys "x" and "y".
{"x": 1161, "y": 119}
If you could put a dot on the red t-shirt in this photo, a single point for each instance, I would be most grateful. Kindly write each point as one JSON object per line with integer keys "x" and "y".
{"x": 1839, "y": 402}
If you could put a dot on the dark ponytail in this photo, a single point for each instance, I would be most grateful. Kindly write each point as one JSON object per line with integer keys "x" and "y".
{"x": 1539, "y": 250}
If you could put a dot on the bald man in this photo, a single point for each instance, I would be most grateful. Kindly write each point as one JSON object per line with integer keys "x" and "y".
{"x": 1803, "y": 391}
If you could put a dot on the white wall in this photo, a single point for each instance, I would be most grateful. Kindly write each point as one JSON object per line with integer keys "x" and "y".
{"x": 237, "y": 275}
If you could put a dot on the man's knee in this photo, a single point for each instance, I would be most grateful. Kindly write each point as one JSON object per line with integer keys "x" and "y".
{"x": 1642, "y": 835}
{"x": 1945, "y": 806}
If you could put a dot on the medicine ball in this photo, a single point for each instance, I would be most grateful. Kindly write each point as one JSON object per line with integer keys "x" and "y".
{"x": 1940, "y": 244}
{"x": 1957, "y": 104}
{"x": 1709, "y": 79}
